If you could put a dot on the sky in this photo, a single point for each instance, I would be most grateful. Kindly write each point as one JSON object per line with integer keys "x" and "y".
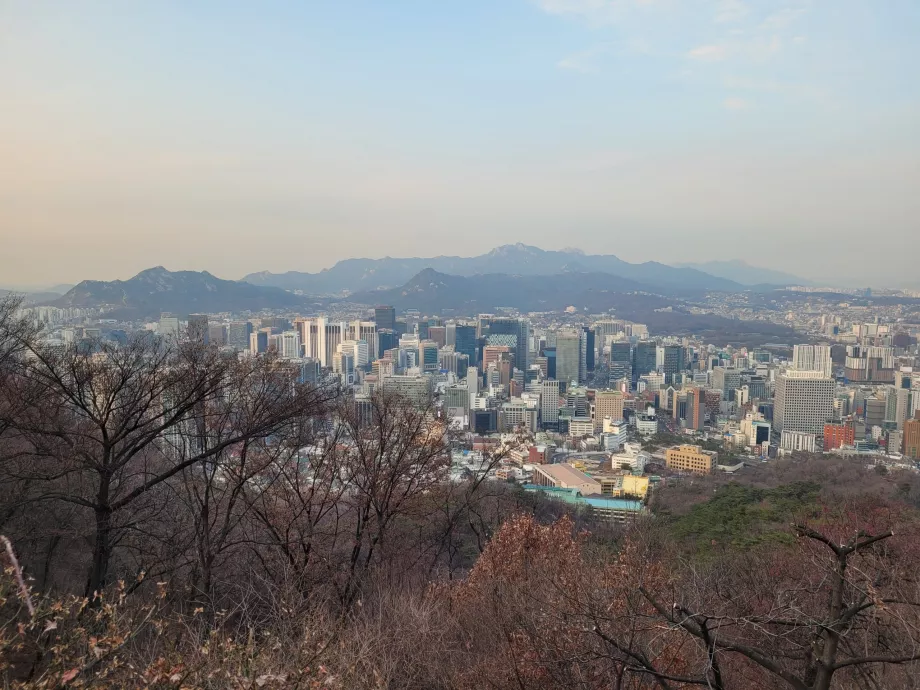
{"x": 236, "y": 136}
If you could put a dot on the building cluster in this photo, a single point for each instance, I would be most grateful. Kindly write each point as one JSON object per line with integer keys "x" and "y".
{"x": 592, "y": 401}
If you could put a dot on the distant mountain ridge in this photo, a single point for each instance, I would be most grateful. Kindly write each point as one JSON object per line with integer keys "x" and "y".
{"x": 746, "y": 274}
{"x": 432, "y": 291}
{"x": 359, "y": 275}
{"x": 182, "y": 292}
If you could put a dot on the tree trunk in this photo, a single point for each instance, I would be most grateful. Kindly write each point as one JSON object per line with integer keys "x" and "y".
{"x": 102, "y": 546}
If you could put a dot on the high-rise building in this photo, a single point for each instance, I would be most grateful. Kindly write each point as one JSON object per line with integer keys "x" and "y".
{"x": 728, "y": 380}
{"x": 168, "y": 327}
{"x": 549, "y": 402}
{"x": 804, "y": 401}
{"x": 568, "y": 357}
{"x": 438, "y": 334}
{"x": 607, "y": 404}
{"x": 519, "y": 328}
{"x": 898, "y": 407}
{"x": 290, "y": 345}
{"x": 696, "y": 408}
{"x": 428, "y": 356}
{"x": 366, "y": 331}
{"x": 589, "y": 348}
{"x": 672, "y": 362}
{"x": 620, "y": 360}
{"x": 198, "y": 328}
{"x": 258, "y": 341}
{"x": 644, "y": 355}
{"x": 217, "y": 334}
{"x": 465, "y": 341}
{"x": 386, "y": 340}
{"x": 385, "y": 317}
{"x": 359, "y": 351}
{"x": 837, "y": 435}
{"x": 911, "y": 438}
{"x": 492, "y": 354}
{"x": 813, "y": 358}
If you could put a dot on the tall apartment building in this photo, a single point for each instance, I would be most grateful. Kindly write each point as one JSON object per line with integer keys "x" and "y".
{"x": 813, "y": 358}
{"x": 804, "y": 401}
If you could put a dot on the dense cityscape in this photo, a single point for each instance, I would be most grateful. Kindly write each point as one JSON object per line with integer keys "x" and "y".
{"x": 599, "y": 410}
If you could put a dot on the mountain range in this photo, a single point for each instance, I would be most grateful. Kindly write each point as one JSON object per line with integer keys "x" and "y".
{"x": 360, "y": 275}
{"x": 431, "y": 291}
{"x": 157, "y": 290}
{"x": 746, "y": 274}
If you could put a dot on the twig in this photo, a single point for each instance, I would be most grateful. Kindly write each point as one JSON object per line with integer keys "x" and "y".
{"x": 23, "y": 590}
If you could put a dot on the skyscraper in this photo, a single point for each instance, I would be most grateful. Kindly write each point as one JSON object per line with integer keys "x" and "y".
{"x": 465, "y": 341}
{"x": 620, "y": 360}
{"x": 290, "y": 345}
{"x": 804, "y": 401}
{"x": 238, "y": 334}
{"x": 385, "y": 317}
{"x": 198, "y": 328}
{"x": 169, "y": 326}
{"x": 672, "y": 362}
{"x": 728, "y": 380}
{"x": 911, "y": 440}
{"x": 549, "y": 403}
{"x": 568, "y": 357}
{"x": 519, "y": 328}
{"x": 813, "y": 358}
{"x": 643, "y": 359}
{"x": 589, "y": 348}
{"x": 607, "y": 404}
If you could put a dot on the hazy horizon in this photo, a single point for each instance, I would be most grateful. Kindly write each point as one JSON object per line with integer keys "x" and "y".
{"x": 236, "y": 138}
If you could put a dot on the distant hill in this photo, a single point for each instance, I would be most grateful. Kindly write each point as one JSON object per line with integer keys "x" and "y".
{"x": 360, "y": 275}
{"x": 431, "y": 291}
{"x": 181, "y": 292}
{"x": 746, "y": 274}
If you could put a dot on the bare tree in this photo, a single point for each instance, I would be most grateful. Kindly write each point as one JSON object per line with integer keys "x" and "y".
{"x": 105, "y": 427}
{"x": 844, "y": 601}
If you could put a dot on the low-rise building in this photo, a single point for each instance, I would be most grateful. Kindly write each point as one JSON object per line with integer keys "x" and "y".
{"x": 688, "y": 458}
{"x": 565, "y": 477}
{"x": 624, "y": 485}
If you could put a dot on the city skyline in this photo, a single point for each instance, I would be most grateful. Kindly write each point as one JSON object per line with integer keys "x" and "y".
{"x": 236, "y": 139}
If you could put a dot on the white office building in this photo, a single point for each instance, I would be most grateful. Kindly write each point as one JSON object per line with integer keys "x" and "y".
{"x": 804, "y": 401}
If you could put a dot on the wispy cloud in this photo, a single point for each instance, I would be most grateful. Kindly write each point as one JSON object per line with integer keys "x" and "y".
{"x": 730, "y": 11}
{"x": 584, "y": 61}
{"x": 782, "y": 19}
{"x": 736, "y": 104}
{"x": 710, "y": 53}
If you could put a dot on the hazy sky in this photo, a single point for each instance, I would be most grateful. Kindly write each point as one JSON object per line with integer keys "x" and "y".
{"x": 237, "y": 137}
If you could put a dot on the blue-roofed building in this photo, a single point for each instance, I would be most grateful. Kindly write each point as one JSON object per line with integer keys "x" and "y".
{"x": 614, "y": 509}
